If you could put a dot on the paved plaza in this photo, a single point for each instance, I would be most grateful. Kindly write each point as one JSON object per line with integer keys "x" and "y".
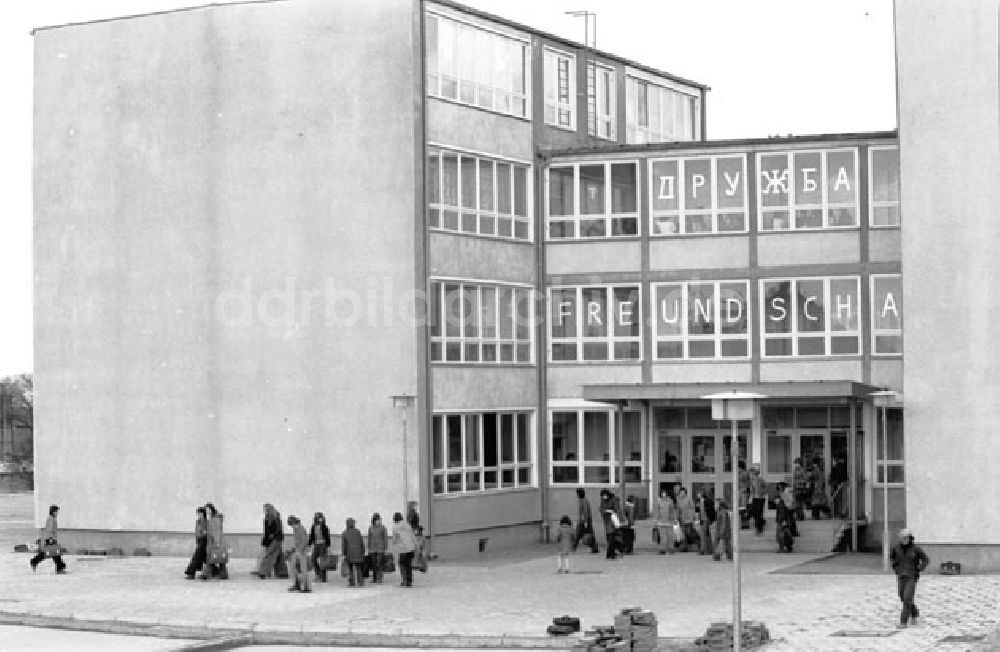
{"x": 502, "y": 598}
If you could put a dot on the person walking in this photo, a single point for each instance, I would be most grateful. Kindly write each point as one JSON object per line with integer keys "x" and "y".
{"x": 320, "y": 540}
{"x": 800, "y": 487}
{"x": 298, "y": 561}
{"x": 685, "y": 514}
{"x": 706, "y": 509}
{"x": 217, "y": 555}
{"x": 353, "y": 549}
{"x": 584, "y": 522}
{"x": 612, "y": 520}
{"x": 566, "y": 542}
{"x": 378, "y": 543}
{"x": 723, "y": 531}
{"x": 758, "y": 498}
{"x": 270, "y": 543}
{"x": 200, "y": 544}
{"x": 908, "y": 560}
{"x": 404, "y": 543}
{"x": 666, "y": 517}
{"x": 787, "y": 497}
{"x": 628, "y": 526}
{"x": 48, "y": 543}
{"x": 818, "y": 501}
{"x": 743, "y": 500}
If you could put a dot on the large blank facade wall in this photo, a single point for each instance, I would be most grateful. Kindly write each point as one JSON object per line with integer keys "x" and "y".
{"x": 949, "y": 127}
{"x": 212, "y": 187}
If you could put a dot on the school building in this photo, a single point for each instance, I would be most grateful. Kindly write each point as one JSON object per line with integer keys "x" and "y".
{"x": 343, "y": 256}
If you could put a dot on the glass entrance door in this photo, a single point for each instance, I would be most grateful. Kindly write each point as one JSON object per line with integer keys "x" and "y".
{"x": 669, "y": 454}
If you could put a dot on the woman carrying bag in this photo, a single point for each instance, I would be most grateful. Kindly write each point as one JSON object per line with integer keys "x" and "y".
{"x": 218, "y": 556}
{"x": 48, "y": 543}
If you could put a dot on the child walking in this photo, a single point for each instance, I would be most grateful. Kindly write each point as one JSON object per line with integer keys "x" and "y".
{"x": 566, "y": 541}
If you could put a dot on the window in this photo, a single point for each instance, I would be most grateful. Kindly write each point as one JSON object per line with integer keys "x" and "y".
{"x": 808, "y": 189}
{"x": 700, "y": 320}
{"x": 475, "y": 194}
{"x": 585, "y": 451}
{"x": 476, "y": 67}
{"x": 887, "y": 314}
{"x": 594, "y": 323}
{"x": 889, "y": 466}
{"x": 560, "y": 89}
{"x": 601, "y": 101}
{"x": 883, "y": 171}
{"x": 593, "y": 200}
{"x": 810, "y": 316}
{"x": 482, "y": 324}
{"x": 482, "y": 451}
{"x": 705, "y": 194}
{"x": 656, "y": 114}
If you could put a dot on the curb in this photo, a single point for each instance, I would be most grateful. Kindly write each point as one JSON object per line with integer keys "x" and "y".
{"x": 227, "y": 638}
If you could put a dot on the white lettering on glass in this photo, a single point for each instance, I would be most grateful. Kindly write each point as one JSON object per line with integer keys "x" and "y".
{"x": 890, "y": 304}
{"x": 842, "y": 179}
{"x": 677, "y": 312}
{"x": 842, "y": 304}
{"x": 594, "y": 314}
{"x": 625, "y": 313}
{"x": 666, "y": 188}
{"x": 703, "y": 310}
{"x": 564, "y": 311}
{"x": 732, "y": 183}
{"x": 778, "y": 305}
{"x": 805, "y": 309}
{"x": 729, "y": 310}
{"x": 697, "y": 181}
{"x": 777, "y": 181}
{"x": 808, "y": 182}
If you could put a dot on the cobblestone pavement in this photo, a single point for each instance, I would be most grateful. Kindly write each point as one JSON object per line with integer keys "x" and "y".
{"x": 515, "y": 597}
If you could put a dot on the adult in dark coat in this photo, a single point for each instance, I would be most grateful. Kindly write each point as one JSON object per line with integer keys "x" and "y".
{"x": 610, "y": 512}
{"x": 584, "y": 521}
{"x": 200, "y": 544}
{"x": 270, "y": 543}
{"x": 353, "y": 548}
{"x": 908, "y": 559}
{"x": 320, "y": 540}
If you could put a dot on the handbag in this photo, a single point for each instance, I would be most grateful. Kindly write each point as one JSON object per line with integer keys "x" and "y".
{"x": 419, "y": 561}
{"x": 345, "y": 569}
{"x": 388, "y": 564}
{"x": 678, "y": 532}
{"x": 328, "y": 561}
{"x": 656, "y": 534}
{"x": 218, "y": 556}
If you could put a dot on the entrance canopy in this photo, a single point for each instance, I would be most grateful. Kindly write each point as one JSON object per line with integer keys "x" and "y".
{"x": 816, "y": 389}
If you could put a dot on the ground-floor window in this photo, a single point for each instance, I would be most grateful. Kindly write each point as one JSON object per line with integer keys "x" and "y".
{"x": 584, "y": 447}
{"x": 482, "y": 451}
{"x": 889, "y": 456}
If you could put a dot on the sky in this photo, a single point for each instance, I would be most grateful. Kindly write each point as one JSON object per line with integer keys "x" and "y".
{"x": 774, "y": 66}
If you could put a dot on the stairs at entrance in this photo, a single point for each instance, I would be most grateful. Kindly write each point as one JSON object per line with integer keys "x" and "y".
{"x": 816, "y": 536}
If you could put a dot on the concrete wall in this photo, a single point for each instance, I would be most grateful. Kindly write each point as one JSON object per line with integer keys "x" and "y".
{"x": 471, "y": 387}
{"x": 808, "y": 248}
{"x": 206, "y": 181}
{"x": 596, "y": 258}
{"x": 947, "y": 57}
{"x": 486, "y": 259}
{"x": 714, "y": 252}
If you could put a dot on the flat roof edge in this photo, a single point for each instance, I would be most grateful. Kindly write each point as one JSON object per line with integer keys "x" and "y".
{"x": 688, "y": 391}
{"x": 176, "y": 10}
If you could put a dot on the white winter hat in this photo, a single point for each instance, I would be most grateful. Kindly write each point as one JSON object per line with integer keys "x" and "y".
{"x": 905, "y": 534}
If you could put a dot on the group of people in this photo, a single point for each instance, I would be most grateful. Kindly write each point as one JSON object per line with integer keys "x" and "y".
{"x": 821, "y": 494}
{"x": 310, "y": 550}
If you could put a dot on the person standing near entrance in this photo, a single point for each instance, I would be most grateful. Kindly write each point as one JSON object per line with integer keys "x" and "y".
{"x": 817, "y": 480}
{"x": 800, "y": 487}
{"x": 908, "y": 559}
{"x": 723, "y": 531}
{"x": 758, "y": 494}
{"x": 706, "y": 507}
{"x": 666, "y": 517}
{"x": 838, "y": 487}
{"x": 612, "y": 519}
{"x": 584, "y": 521}
{"x": 48, "y": 543}
{"x": 685, "y": 514}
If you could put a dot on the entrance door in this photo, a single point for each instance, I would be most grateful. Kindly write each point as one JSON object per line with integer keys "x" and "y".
{"x": 669, "y": 452}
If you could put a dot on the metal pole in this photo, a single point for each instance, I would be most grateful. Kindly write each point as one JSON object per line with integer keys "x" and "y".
{"x": 406, "y": 467}
{"x": 885, "y": 491}
{"x": 735, "y": 525}
{"x": 852, "y": 477}
{"x": 619, "y": 428}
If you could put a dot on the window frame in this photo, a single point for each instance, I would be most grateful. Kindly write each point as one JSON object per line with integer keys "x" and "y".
{"x": 872, "y": 203}
{"x": 637, "y": 133}
{"x": 435, "y": 77}
{"x": 825, "y": 205}
{"x": 795, "y": 334}
{"x": 569, "y": 106}
{"x": 612, "y": 464}
{"x": 609, "y": 217}
{"x": 680, "y": 190}
{"x": 883, "y": 464}
{"x": 436, "y": 211}
{"x": 609, "y": 339}
{"x": 439, "y": 441}
{"x": 685, "y": 338}
{"x": 438, "y": 352}
{"x": 595, "y": 117}
{"x": 874, "y": 309}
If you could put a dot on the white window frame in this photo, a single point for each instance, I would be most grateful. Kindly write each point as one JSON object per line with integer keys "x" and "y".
{"x": 437, "y": 211}
{"x": 794, "y": 334}
{"x": 636, "y": 133}
{"x": 439, "y": 440}
{"x": 601, "y": 124}
{"x": 884, "y": 464}
{"x": 610, "y": 339}
{"x": 872, "y": 203}
{"x": 442, "y": 339}
{"x": 610, "y": 217}
{"x": 685, "y": 338}
{"x": 825, "y": 205}
{"x": 553, "y": 103}
{"x": 492, "y": 92}
{"x": 680, "y": 190}
{"x": 876, "y": 332}
{"x": 582, "y": 464}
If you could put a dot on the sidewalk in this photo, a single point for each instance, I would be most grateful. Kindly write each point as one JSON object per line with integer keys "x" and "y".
{"x": 499, "y": 601}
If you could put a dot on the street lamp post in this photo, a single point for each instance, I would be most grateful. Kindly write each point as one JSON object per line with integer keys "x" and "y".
{"x": 882, "y": 399}
{"x": 734, "y": 407}
{"x": 402, "y": 402}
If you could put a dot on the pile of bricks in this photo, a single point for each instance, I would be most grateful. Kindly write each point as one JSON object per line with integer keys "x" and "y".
{"x": 719, "y": 636}
{"x": 634, "y": 629}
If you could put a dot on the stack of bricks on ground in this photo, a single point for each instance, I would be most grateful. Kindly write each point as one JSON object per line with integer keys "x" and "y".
{"x": 720, "y": 636}
{"x": 634, "y": 629}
